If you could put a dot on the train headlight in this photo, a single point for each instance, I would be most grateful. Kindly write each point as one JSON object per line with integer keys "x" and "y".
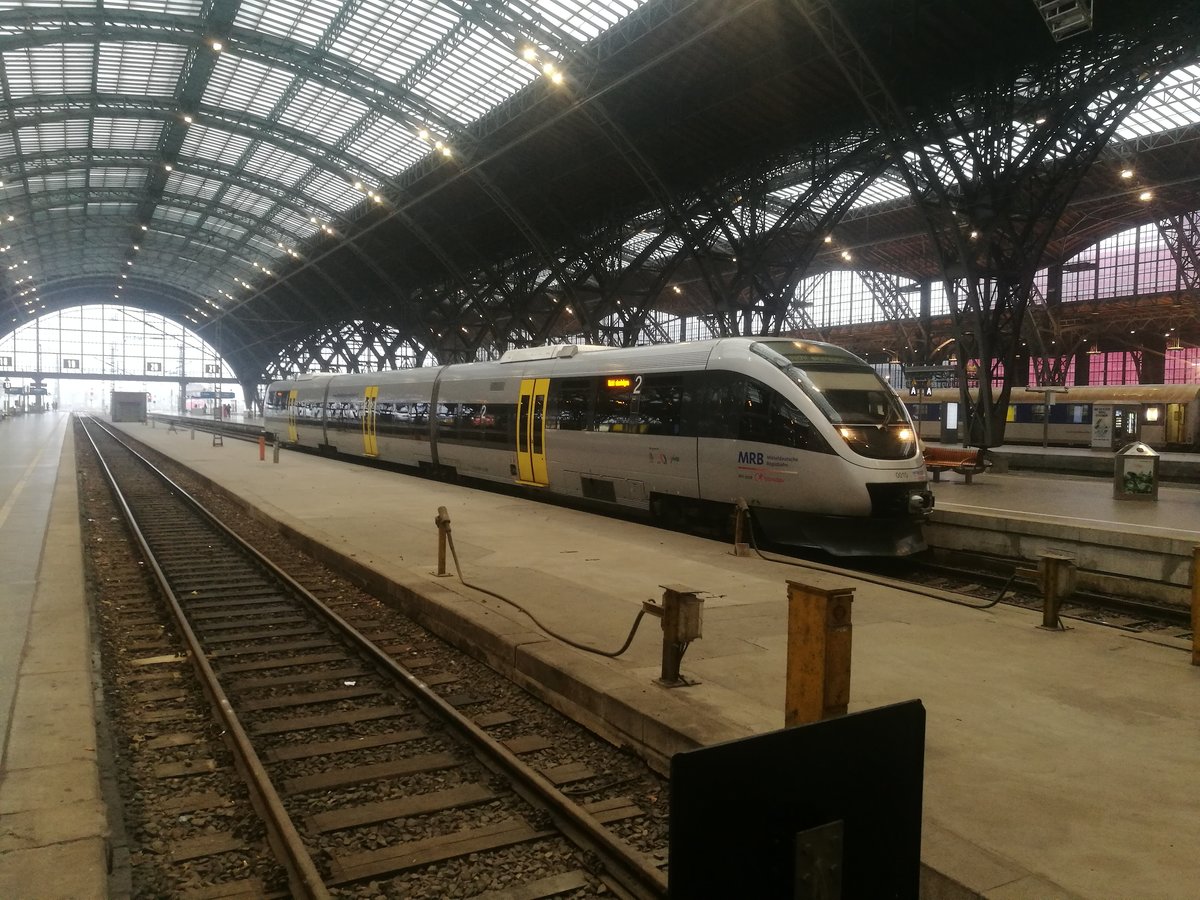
{"x": 905, "y": 434}
{"x": 847, "y": 434}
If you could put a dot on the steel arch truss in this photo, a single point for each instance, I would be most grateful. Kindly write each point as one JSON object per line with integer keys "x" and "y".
{"x": 994, "y": 171}
{"x": 355, "y": 346}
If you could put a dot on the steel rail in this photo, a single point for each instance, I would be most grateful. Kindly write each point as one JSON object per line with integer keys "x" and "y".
{"x": 304, "y": 879}
{"x": 633, "y": 871}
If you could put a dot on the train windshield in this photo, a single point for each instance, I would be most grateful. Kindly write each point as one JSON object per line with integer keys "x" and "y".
{"x": 845, "y": 388}
{"x": 867, "y": 413}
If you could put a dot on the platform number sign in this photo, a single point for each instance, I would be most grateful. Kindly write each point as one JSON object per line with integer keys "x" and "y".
{"x": 6, "y": 361}
{"x": 210, "y": 369}
{"x": 70, "y": 363}
{"x": 153, "y": 367}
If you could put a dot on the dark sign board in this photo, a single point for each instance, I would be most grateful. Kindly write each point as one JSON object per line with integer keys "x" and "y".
{"x": 831, "y": 809}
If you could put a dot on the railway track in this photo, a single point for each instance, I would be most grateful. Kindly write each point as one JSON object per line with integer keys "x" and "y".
{"x": 985, "y": 580}
{"x": 362, "y": 770}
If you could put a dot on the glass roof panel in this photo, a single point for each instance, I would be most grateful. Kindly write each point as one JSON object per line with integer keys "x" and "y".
{"x": 388, "y": 147}
{"x": 293, "y": 223}
{"x": 215, "y": 144}
{"x": 115, "y": 177}
{"x": 175, "y": 7}
{"x": 475, "y": 77}
{"x": 1174, "y": 103}
{"x": 332, "y": 191}
{"x": 137, "y": 68}
{"x": 247, "y": 203}
{"x": 883, "y": 189}
{"x": 128, "y": 134}
{"x": 582, "y": 19}
{"x": 183, "y": 184}
{"x": 246, "y": 85}
{"x": 276, "y": 164}
{"x": 304, "y": 21}
{"x": 221, "y": 226}
{"x": 389, "y": 38}
{"x": 56, "y": 181}
{"x": 53, "y": 136}
{"x": 49, "y": 70}
{"x": 322, "y": 110}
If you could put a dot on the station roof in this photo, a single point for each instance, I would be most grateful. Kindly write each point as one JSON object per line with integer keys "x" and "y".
{"x": 226, "y": 162}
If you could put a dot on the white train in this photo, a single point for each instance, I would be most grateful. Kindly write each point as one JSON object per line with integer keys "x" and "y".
{"x": 817, "y": 444}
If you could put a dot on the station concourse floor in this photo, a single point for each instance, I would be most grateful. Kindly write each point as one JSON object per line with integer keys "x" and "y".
{"x": 1058, "y": 764}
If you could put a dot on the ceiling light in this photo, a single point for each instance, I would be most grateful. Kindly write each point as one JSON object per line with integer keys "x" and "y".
{"x": 1145, "y": 195}
{"x": 217, "y": 46}
{"x": 188, "y": 119}
{"x": 528, "y": 54}
{"x": 1127, "y": 172}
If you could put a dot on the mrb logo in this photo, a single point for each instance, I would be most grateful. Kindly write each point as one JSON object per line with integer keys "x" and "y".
{"x": 750, "y": 457}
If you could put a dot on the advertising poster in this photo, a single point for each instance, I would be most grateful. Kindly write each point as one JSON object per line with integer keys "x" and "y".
{"x": 1102, "y": 426}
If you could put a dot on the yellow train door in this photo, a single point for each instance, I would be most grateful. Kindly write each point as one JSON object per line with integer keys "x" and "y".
{"x": 293, "y": 437}
{"x": 531, "y": 431}
{"x": 369, "y": 420}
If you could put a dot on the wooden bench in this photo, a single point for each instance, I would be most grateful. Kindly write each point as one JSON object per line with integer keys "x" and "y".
{"x": 966, "y": 461}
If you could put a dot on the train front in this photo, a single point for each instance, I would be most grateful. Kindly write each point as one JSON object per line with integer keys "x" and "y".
{"x": 864, "y": 491}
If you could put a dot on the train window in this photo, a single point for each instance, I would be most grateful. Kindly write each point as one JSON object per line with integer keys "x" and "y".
{"x": 573, "y": 397}
{"x": 658, "y": 410}
{"x": 471, "y": 421}
{"x": 308, "y": 409}
{"x": 770, "y": 418}
{"x": 277, "y": 401}
{"x": 612, "y": 409}
{"x": 755, "y": 421}
{"x": 407, "y": 420}
{"x": 716, "y": 400}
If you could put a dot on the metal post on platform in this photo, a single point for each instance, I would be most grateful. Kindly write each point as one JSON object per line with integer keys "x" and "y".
{"x": 275, "y": 453}
{"x": 682, "y": 615}
{"x": 262, "y": 448}
{"x": 443, "y": 525}
{"x": 1196, "y": 606}
{"x": 193, "y": 432}
{"x": 1056, "y": 577}
{"x": 741, "y": 526}
{"x": 820, "y": 632}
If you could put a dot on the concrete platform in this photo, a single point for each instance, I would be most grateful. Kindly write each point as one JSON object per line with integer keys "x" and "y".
{"x": 1140, "y": 547}
{"x": 1058, "y": 764}
{"x": 53, "y": 831}
{"x": 1017, "y": 796}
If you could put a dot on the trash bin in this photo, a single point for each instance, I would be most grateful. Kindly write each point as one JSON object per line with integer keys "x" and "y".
{"x": 1135, "y": 475}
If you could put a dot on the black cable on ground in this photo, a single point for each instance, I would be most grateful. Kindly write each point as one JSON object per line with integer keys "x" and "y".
{"x": 743, "y": 506}
{"x": 566, "y": 640}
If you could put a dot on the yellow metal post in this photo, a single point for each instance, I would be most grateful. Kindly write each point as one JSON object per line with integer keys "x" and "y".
{"x": 818, "y": 653}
